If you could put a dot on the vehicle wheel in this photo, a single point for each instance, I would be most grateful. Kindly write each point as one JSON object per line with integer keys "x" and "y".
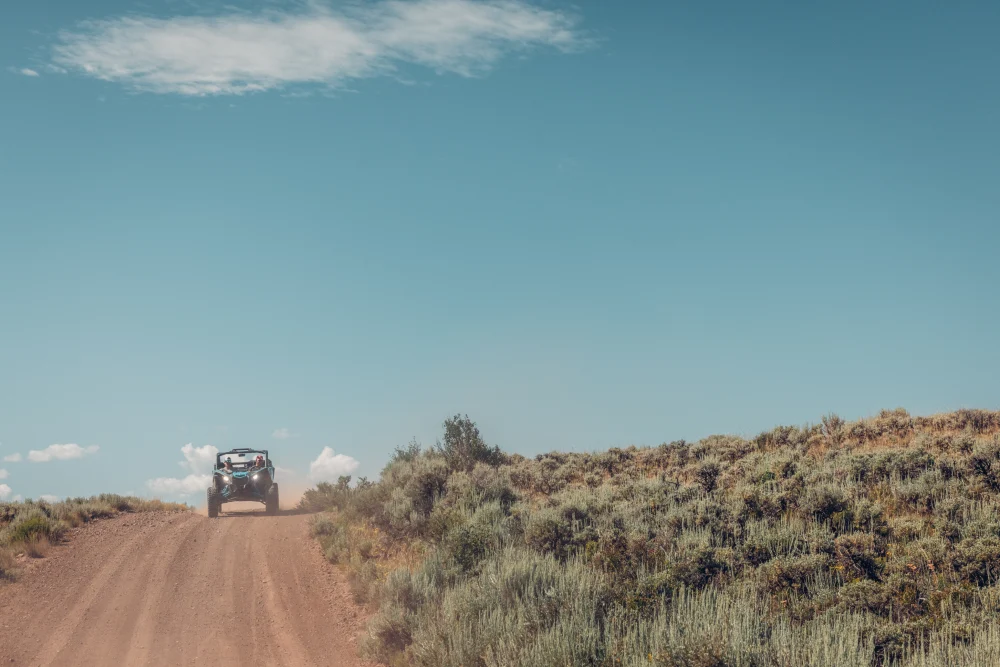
{"x": 213, "y": 502}
{"x": 271, "y": 499}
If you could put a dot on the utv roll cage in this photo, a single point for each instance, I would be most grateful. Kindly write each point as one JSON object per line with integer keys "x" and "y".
{"x": 243, "y": 481}
{"x": 242, "y": 452}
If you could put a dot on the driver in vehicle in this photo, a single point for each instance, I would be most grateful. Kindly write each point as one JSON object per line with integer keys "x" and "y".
{"x": 263, "y": 473}
{"x": 229, "y": 464}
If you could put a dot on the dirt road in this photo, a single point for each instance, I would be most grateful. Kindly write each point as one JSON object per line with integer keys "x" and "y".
{"x": 182, "y": 589}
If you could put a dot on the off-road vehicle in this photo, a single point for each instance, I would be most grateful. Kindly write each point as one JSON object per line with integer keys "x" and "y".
{"x": 243, "y": 475}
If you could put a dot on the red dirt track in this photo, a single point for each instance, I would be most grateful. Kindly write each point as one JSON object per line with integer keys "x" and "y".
{"x": 182, "y": 589}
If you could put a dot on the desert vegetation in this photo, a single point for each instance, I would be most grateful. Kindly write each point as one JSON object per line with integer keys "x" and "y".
{"x": 867, "y": 543}
{"x": 28, "y": 529}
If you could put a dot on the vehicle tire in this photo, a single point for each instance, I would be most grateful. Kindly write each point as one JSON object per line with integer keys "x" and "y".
{"x": 213, "y": 502}
{"x": 271, "y": 499}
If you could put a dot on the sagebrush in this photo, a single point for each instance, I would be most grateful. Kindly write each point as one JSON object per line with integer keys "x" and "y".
{"x": 29, "y": 528}
{"x": 874, "y": 542}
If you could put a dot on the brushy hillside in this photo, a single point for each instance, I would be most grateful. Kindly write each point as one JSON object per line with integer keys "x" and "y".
{"x": 30, "y": 528}
{"x": 875, "y": 542}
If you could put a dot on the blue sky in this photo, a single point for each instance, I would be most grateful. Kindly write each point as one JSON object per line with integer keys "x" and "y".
{"x": 309, "y": 225}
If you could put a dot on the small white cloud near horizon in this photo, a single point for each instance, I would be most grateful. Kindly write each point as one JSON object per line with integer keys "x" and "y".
{"x": 5, "y": 492}
{"x": 12, "y": 458}
{"x": 49, "y": 498}
{"x": 199, "y": 460}
{"x": 282, "y": 434}
{"x": 237, "y": 53}
{"x": 61, "y": 453}
{"x": 3, "y": 473}
{"x": 26, "y": 71}
{"x": 328, "y": 466}
{"x": 172, "y": 486}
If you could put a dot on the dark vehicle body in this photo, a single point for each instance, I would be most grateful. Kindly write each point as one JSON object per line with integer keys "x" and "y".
{"x": 243, "y": 480}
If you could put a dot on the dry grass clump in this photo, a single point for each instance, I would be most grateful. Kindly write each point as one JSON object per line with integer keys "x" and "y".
{"x": 32, "y": 527}
{"x": 37, "y": 546}
{"x": 868, "y": 543}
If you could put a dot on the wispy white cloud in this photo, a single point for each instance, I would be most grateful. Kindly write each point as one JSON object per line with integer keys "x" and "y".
{"x": 238, "y": 53}
{"x": 199, "y": 460}
{"x": 12, "y": 458}
{"x": 172, "y": 486}
{"x": 328, "y": 466}
{"x": 49, "y": 498}
{"x": 27, "y": 72}
{"x": 3, "y": 474}
{"x": 4, "y": 492}
{"x": 61, "y": 453}
{"x": 282, "y": 434}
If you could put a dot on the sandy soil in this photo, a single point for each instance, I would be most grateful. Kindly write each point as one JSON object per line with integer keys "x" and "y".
{"x": 182, "y": 589}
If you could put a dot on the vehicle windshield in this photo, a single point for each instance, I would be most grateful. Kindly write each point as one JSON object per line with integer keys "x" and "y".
{"x": 241, "y": 460}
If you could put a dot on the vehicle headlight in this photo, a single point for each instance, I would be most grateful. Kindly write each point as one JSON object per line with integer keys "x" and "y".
{"x": 225, "y": 480}
{"x": 256, "y": 475}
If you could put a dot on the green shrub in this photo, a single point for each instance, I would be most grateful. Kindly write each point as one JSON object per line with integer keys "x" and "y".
{"x": 978, "y": 560}
{"x": 792, "y": 575}
{"x": 463, "y": 447}
{"x": 469, "y": 542}
{"x": 859, "y": 555}
{"x": 322, "y": 525}
{"x": 548, "y": 531}
{"x": 31, "y": 525}
{"x": 707, "y": 475}
{"x": 825, "y": 502}
{"x": 865, "y": 596}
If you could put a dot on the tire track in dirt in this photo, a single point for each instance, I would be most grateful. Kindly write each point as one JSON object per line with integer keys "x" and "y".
{"x": 88, "y": 604}
{"x": 288, "y": 643}
{"x": 171, "y": 589}
{"x": 140, "y": 650}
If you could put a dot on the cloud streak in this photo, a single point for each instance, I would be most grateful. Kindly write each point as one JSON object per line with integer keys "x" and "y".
{"x": 12, "y": 458}
{"x": 199, "y": 460}
{"x": 61, "y": 453}
{"x": 238, "y": 53}
{"x": 4, "y": 492}
{"x": 328, "y": 466}
{"x": 172, "y": 486}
